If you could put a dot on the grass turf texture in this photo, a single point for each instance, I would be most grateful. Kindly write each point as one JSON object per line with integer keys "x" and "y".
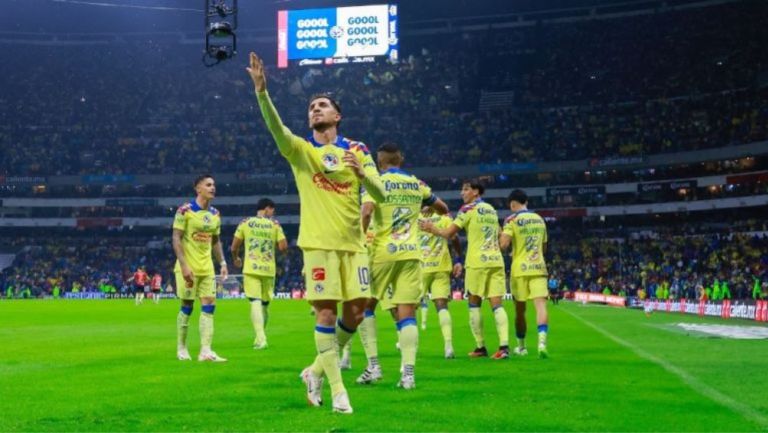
{"x": 110, "y": 366}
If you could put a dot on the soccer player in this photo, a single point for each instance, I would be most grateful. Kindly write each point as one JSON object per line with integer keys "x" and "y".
{"x": 436, "y": 270}
{"x": 330, "y": 171}
{"x": 139, "y": 280}
{"x": 396, "y": 267}
{"x": 196, "y": 231}
{"x": 260, "y": 234}
{"x": 526, "y": 231}
{"x": 484, "y": 278}
{"x": 157, "y": 287}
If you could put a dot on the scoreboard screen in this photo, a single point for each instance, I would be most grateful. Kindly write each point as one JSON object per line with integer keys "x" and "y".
{"x": 341, "y": 35}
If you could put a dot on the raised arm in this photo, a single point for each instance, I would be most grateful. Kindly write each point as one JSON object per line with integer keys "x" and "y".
{"x": 287, "y": 143}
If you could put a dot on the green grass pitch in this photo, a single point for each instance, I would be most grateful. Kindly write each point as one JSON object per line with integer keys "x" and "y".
{"x": 110, "y": 366}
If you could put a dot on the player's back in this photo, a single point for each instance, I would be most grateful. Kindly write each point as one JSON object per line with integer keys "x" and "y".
{"x": 396, "y": 219}
{"x": 259, "y": 235}
{"x": 529, "y": 234}
{"x": 481, "y": 223}
{"x": 435, "y": 256}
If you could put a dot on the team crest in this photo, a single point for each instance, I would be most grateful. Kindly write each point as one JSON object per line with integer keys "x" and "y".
{"x": 207, "y": 219}
{"x": 331, "y": 161}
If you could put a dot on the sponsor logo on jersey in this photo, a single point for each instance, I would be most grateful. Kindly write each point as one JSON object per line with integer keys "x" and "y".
{"x": 319, "y": 288}
{"x": 391, "y": 248}
{"x": 323, "y": 182}
{"x": 202, "y": 237}
{"x": 318, "y": 274}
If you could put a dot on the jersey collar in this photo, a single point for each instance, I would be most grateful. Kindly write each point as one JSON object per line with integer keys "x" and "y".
{"x": 521, "y": 212}
{"x": 340, "y": 142}
{"x": 196, "y": 207}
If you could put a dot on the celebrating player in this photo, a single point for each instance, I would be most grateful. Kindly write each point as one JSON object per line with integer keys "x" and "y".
{"x": 527, "y": 232}
{"x": 396, "y": 269}
{"x": 484, "y": 265}
{"x": 436, "y": 272}
{"x": 196, "y": 230}
{"x": 330, "y": 171}
{"x": 260, "y": 234}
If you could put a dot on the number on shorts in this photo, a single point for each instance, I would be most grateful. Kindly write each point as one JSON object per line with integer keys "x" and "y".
{"x": 364, "y": 276}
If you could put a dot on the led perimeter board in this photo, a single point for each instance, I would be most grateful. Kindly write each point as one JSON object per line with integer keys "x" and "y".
{"x": 355, "y": 34}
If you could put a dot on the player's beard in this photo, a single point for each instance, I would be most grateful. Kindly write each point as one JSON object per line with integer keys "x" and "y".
{"x": 322, "y": 126}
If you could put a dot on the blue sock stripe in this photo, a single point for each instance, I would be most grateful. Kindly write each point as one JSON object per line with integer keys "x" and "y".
{"x": 471, "y": 305}
{"x": 369, "y": 313}
{"x": 186, "y": 310}
{"x": 340, "y": 324}
{"x": 325, "y": 329}
{"x": 520, "y": 336}
{"x": 543, "y": 328}
{"x": 208, "y": 308}
{"x": 265, "y": 303}
{"x": 254, "y": 299}
{"x": 408, "y": 321}
{"x": 496, "y": 307}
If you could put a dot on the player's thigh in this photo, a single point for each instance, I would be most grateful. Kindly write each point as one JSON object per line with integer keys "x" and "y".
{"x": 252, "y": 286}
{"x": 206, "y": 286}
{"x": 406, "y": 285}
{"x": 355, "y": 276}
{"x": 382, "y": 275}
{"x": 267, "y": 288}
{"x": 441, "y": 286}
{"x": 322, "y": 275}
{"x": 427, "y": 279}
{"x": 182, "y": 290}
{"x": 537, "y": 286}
{"x": 496, "y": 284}
{"x": 475, "y": 282}
{"x": 520, "y": 290}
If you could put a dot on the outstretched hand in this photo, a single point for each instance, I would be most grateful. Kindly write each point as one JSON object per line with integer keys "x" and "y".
{"x": 256, "y": 71}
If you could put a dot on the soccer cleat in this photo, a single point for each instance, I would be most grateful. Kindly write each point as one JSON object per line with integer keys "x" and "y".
{"x": 346, "y": 362}
{"x": 314, "y": 387}
{"x": 183, "y": 354}
{"x": 210, "y": 357}
{"x": 407, "y": 381}
{"x": 341, "y": 403}
{"x": 543, "y": 354}
{"x": 501, "y": 354}
{"x": 520, "y": 351}
{"x": 260, "y": 346}
{"x": 449, "y": 354}
{"x": 370, "y": 375}
{"x": 480, "y": 352}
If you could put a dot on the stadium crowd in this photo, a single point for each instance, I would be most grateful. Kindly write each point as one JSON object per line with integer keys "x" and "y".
{"x": 660, "y": 263}
{"x": 577, "y": 98}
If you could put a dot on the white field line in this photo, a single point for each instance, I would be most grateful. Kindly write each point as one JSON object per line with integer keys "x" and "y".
{"x": 698, "y": 386}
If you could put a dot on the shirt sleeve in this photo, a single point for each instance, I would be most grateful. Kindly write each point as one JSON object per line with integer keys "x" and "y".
{"x": 461, "y": 219}
{"x": 239, "y": 232}
{"x": 365, "y": 197}
{"x": 279, "y": 234}
{"x": 372, "y": 180}
{"x": 508, "y": 228}
{"x": 180, "y": 220}
{"x": 426, "y": 194}
{"x": 290, "y": 145}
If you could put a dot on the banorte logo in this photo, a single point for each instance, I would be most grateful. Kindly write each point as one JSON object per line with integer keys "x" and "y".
{"x": 323, "y": 182}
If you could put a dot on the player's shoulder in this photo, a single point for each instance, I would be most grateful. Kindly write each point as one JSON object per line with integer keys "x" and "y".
{"x": 275, "y": 222}
{"x": 184, "y": 208}
{"x": 509, "y": 219}
{"x": 467, "y": 207}
{"x": 213, "y": 210}
{"x": 355, "y": 145}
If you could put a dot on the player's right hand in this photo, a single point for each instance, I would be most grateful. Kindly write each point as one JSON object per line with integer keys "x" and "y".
{"x": 189, "y": 277}
{"x": 256, "y": 71}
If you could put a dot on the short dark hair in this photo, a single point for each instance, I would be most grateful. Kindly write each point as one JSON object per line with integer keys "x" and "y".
{"x": 475, "y": 184}
{"x": 389, "y": 147}
{"x": 265, "y": 203}
{"x": 201, "y": 178}
{"x": 518, "y": 195}
{"x": 328, "y": 97}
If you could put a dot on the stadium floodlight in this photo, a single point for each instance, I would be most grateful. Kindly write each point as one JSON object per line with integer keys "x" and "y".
{"x": 222, "y": 49}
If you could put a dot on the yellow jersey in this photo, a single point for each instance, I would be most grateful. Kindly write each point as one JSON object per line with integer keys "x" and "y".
{"x": 480, "y": 221}
{"x": 529, "y": 234}
{"x": 435, "y": 255}
{"x": 260, "y": 235}
{"x": 199, "y": 226}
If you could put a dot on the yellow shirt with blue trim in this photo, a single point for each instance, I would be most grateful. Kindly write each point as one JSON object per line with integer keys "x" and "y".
{"x": 259, "y": 235}
{"x": 529, "y": 234}
{"x": 481, "y": 223}
{"x": 329, "y": 191}
{"x": 396, "y": 218}
{"x": 199, "y": 226}
{"x": 435, "y": 255}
